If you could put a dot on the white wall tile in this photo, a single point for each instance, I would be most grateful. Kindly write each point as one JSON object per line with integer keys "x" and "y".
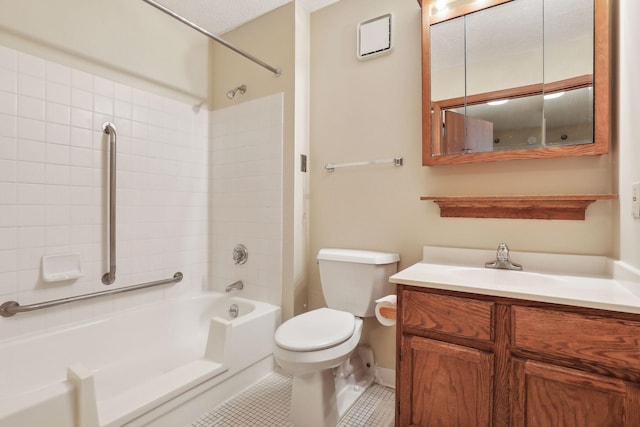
{"x": 8, "y": 80}
{"x": 58, "y": 73}
{"x": 58, "y": 93}
{"x": 8, "y": 238}
{"x": 81, "y": 99}
{"x": 81, "y": 80}
{"x": 31, "y": 86}
{"x": 8, "y": 126}
{"x": 122, "y": 92}
{"x": 31, "y": 237}
{"x": 103, "y": 86}
{"x": 31, "y": 129}
{"x": 31, "y": 151}
{"x": 57, "y": 133}
{"x": 31, "y": 65}
{"x": 57, "y": 154}
{"x": 31, "y": 215}
{"x": 57, "y": 235}
{"x": 81, "y": 138}
{"x": 8, "y": 260}
{"x": 8, "y": 170}
{"x": 31, "y": 172}
{"x": 31, "y": 194}
{"x": 58, "y": 113}
{"x": 8, "y": 58}
{"x": 32, "y": 108}
{"x": 8, "y": 283}
{"x": 57, "y": 194}
{"x": 56, "y": 214}
{"x": 80, "y": 156}
{"x": 8, "y": 148}
{"x": 8, "y": 193}
{"x": 7, "y": 102}
{"x": 103, "y": 104}
{"x": 57, "y": 174}
{"x": 81, "y": 118}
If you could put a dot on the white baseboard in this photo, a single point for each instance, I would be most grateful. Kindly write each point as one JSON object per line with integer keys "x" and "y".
{"x": 386, "y": 377}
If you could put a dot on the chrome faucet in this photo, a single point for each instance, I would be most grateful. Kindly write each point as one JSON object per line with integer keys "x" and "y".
{"x": 502, "y": 260}
{"x": 235, "y": 285}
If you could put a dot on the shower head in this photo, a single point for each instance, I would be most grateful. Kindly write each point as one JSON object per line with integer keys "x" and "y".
{"x": 232, "y": 93}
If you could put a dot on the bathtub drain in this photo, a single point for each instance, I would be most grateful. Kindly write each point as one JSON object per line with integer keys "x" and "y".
{"x": 233, "y": 311}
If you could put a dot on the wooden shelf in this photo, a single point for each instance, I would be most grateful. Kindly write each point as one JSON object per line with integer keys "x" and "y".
{"x": 521, "y": 207}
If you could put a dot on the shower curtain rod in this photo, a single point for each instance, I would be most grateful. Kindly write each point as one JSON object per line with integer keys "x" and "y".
{"x": 250, "y": 57}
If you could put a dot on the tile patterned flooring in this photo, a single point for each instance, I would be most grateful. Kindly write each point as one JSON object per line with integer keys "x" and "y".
{"x": 266, "y": 404}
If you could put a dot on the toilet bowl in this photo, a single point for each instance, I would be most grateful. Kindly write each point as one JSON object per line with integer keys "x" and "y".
{"x": 310, "y": 357}
{"x": 319, "y": 347}
{"x": 316, "y": 340}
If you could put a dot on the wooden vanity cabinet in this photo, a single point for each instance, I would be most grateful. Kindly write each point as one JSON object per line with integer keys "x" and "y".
{"x": 475, "y": 360}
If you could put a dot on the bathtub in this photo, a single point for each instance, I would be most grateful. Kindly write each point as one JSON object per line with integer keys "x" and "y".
{"x": 163, "y": 364}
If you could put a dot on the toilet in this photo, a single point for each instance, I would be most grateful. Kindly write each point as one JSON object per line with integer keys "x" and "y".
{"x": 319, "y": 347}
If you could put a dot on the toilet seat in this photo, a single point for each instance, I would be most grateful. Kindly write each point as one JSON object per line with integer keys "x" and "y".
{"x": 315, "y": 330}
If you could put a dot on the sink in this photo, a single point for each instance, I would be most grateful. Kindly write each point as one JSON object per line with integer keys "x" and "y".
{"x": 474, "y": 275}
{"x": 578, "y": 280}
{"x": 480, "y": 277}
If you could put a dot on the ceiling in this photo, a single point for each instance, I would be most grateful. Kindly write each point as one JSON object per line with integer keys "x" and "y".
{"x": 220, "y": 16}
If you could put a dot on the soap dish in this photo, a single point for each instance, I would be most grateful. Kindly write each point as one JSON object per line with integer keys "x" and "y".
{"x": 56, "y": 268}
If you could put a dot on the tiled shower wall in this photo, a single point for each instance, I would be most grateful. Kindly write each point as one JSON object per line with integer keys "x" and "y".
{"x": 246, "y": 203}
{"x": 53, "y": 189}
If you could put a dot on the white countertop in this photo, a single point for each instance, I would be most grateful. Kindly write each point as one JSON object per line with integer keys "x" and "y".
{"x": 578, "y": 280}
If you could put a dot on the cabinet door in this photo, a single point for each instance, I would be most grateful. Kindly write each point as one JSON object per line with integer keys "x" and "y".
{"x": 444, "y": 384}
{"x": 547, "y": 395}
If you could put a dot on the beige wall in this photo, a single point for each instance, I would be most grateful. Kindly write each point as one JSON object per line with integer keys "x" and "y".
{"x": 127, "y": 41}
{"x": 372, "y": 109}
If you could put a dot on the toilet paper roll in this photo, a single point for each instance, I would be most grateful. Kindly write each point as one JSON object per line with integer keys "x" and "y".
{"x": 389, "y": 301}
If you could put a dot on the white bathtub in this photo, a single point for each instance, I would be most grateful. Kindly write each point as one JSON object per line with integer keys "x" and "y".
{"x": 162, "y": 364}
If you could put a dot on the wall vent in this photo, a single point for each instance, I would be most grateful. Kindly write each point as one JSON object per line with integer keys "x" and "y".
{"x": 375, "y": 37}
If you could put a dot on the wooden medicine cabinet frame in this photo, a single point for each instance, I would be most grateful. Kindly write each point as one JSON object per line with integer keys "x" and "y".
{"x": 601, "y": 85}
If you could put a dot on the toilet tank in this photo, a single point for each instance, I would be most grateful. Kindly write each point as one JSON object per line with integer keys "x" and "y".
{"x": 352, "y": 279}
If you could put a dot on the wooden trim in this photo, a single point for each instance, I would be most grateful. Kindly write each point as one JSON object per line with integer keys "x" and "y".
{"x": 502, "y": 351}
{"x": 427, "y": 117}
{"x": 516, "y": 92}
{"x": 462, "y": 10}
{"x": 602, "y": 46}
{"x": 567, "y": 207}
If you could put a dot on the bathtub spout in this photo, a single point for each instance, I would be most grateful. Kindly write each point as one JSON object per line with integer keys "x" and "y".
{"x": 235, "y": 285}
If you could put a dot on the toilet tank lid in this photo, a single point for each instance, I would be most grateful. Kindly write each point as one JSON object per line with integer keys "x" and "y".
{"x": 358, "y": 256}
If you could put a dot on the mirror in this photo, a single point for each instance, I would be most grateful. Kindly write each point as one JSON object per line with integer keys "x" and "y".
{"x": 515, "y": 79}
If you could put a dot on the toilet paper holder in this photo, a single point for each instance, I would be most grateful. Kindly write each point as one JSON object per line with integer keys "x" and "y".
{"x": 388, "y": 312}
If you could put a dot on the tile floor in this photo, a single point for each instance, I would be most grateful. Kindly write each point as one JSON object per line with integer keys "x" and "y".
{"x": 266, "y": 404}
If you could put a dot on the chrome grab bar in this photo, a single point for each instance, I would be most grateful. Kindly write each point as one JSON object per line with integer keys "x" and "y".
{"x": 110, "y": 277}
{"x": 11, "y": 308}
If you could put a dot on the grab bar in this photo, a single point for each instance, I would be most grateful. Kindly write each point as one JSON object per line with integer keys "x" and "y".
{"x": 11, "y": 308}
{"x": 110, "y": 277}
{"x": 396, "y": 161}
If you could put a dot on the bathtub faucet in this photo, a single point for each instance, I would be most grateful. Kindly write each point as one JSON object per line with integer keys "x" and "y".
{"x": 235, "y": 285}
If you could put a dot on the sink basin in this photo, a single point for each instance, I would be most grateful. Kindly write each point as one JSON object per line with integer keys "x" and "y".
{"x": 473, "y": 275}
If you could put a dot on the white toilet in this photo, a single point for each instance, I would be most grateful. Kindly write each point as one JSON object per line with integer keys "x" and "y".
{"x": 311, "y": 345}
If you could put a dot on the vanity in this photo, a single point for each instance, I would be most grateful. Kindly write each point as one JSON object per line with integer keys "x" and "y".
{"x": 557, "y": 344}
